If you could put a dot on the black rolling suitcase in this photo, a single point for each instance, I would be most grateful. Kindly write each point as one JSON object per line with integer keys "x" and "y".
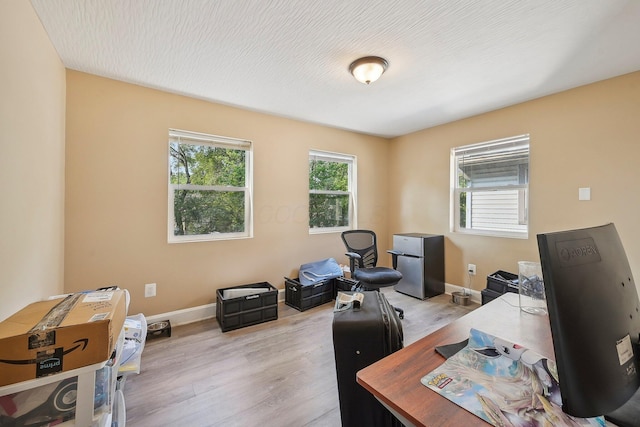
{"x": 362, "y": 336}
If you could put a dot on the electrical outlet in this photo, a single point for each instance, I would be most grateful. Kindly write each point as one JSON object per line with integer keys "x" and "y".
{"x": 471, "y": 268}
{"x": 150, "y": 290}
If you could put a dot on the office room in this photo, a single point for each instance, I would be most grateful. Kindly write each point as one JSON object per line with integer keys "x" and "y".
{"x": 85, "y": 162}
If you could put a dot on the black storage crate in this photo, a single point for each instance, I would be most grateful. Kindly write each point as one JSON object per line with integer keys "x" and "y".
{"x": 502, "y": 282}
{"x": 489, "y": 295}
{"x": 344, "y": 284}
{"x": 303, "y": 297}
{"x": 499, "y": 283}
{"x": 246, "y": 305}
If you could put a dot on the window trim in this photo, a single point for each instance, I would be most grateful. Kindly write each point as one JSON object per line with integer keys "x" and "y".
{"x": 351, "y": 160}
{"x": 523, "y": 189}
{"x": 197, "y": 138}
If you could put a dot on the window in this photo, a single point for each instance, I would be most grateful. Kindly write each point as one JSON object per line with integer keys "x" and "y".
{"x": 490, "y": 184}
{"x": 332, "y": 192}
{"x": 210, "y": 180}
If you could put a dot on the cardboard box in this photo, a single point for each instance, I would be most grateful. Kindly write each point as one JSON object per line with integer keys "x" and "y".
{"x": 48, "y": 337}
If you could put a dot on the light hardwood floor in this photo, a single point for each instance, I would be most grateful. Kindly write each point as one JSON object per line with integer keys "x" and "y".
{"x": 279, "y": 373}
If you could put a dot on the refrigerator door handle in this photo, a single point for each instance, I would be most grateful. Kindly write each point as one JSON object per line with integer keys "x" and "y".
{"x": 398, "y": 253}
{"x": 411, "y": 255}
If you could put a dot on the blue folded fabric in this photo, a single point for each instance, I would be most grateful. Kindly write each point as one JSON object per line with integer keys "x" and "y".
{"x": 317, "y": 271}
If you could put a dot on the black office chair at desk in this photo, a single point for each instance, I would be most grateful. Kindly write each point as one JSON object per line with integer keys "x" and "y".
{"x": 363, "y": 257}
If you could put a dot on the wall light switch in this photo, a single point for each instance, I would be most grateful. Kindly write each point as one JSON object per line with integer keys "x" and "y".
{"x": 584, "y": 193}
{"x": 150, "y": 290}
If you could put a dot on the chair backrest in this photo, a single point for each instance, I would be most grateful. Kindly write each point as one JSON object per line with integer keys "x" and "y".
{"x": 362, "y": 242}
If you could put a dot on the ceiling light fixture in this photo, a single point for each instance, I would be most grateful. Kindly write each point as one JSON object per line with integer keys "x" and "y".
{"x": 368, "y": 69}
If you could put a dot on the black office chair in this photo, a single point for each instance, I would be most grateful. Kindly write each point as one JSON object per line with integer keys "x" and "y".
{"x": 363, "y": 256}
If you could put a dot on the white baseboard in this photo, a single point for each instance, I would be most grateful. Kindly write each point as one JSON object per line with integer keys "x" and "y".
{"x": 208, "y": 311}
{"x": 187, "y": 315}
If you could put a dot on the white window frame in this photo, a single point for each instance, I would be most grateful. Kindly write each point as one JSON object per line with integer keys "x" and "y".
{"x": 351, "y": 160}
{"x": 500, "y": 148}
{"x": 196, "y": 138}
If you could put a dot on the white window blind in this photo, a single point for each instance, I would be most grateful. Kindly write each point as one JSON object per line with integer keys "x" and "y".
{"x": 490, "y": 184}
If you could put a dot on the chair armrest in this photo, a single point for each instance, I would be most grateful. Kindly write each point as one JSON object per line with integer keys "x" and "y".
{"x": 394, "y": 257}
{"x": 352, "y": 260}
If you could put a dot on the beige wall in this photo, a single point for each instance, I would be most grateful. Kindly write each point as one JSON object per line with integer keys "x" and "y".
{"x": 116, "y": 171}
{"x": 586, "y": 137}
{"x": 116, "y": 200}
{"x": 32, "y": 101}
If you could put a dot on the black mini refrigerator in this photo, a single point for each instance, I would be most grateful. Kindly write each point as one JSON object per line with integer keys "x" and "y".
{"x": 421, "y": 262}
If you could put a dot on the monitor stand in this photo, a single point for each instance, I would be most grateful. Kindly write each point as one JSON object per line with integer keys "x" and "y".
{"x": 628, "y": 414}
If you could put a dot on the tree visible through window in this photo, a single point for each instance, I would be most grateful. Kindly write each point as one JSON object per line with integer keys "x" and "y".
{"x": 209, "y": 187}
{"x": 491, "y": 187}
{"x": 331, "y": 191}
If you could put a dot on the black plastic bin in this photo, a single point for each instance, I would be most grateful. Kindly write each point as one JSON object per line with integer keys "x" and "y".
{"x": 503, "y": 282}
{"x": 303, "y": 297}
{"x": 344, "y": 284}
{"x": 489, "y": 295}
{"x": 499, "y": 283}
{"x": 246, "y": 305}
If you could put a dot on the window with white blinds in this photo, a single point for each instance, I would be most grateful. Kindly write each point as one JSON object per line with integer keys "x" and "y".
{"x": 210, "y": 182}
{"x": 490, "y": 183}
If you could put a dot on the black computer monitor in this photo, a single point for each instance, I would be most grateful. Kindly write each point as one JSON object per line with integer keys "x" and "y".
{"x": 595, "y": 319}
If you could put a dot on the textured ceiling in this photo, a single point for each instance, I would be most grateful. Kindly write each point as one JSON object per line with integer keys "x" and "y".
{"x": 449, "y": 59}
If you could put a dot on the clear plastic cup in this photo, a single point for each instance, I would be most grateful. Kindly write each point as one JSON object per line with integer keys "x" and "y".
{"x": 531, "y": 285}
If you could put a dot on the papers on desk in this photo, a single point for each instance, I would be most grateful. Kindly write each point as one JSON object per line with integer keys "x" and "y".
{"x": 504, "y": 384}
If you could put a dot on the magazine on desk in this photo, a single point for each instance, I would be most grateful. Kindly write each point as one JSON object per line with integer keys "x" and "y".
{"x": 504, "y": 384}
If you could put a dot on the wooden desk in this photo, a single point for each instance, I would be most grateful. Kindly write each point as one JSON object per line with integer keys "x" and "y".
{"x": 395, "y": 380}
